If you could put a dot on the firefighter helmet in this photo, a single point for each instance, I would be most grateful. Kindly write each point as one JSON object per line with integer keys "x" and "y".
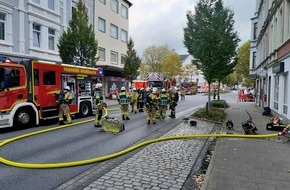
{"x": 99, "y": 85}
{"x": 134, "y": 89}
{"x": 67, "y": 88}
{"x": 163, "y": 90}
{"x": 123, "y": 88}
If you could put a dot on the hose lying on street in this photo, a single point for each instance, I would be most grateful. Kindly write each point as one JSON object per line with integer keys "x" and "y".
{"x": 109, "y": 156}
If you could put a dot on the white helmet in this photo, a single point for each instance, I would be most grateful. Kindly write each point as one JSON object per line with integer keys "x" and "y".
{"x": 99, "y": 85}
{"x": 123, "y": 88}
{"x": 147, "y": 89}
{"x": 134, "y": 89}
{"x": 163, "y": 90}
{"x": 67, "y": 88}
{"x": 142, "y": 89}
{"x": 154, "y": 90}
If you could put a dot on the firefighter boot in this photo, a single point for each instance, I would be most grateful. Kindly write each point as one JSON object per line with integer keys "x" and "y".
{"x": 123, "y": 117}
{"x": 127, "y": 118}
{"x": 148, "y": 121}
{"x": 61, "y": 122}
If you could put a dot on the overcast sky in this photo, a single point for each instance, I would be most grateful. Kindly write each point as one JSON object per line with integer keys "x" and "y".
{"x": 160, "y": 22}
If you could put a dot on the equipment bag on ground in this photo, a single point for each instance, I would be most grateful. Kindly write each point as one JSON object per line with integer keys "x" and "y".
{"x": 112, "y": 125}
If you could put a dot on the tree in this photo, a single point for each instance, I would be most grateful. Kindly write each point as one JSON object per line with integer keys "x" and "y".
{"x": 242, "y": 67}
{"x": 154, "y": 56}
{"x": 210, "y": 39}
{"x": 188, "y": 71}
{"x": 227, "y": 41}
{"x": 132, "y": 62}
{"x": 171, "y": 65}
{"x": 77, "y": 45}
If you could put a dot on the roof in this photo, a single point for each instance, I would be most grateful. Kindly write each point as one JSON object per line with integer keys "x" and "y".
{"x": 183, "y": 57}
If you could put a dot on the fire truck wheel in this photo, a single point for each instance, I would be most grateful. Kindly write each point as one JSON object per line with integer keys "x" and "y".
{"x": 85, "y": 109}
{"x": 24, "y": 118}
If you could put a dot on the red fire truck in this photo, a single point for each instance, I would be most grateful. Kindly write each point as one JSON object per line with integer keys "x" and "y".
{"x": 28, "y": 89}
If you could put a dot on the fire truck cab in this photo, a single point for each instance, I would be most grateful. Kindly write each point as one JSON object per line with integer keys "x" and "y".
{"x": 28, "y": 90}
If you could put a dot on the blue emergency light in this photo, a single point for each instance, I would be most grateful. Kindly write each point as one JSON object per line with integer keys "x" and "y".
{"x": 100, "y": 71}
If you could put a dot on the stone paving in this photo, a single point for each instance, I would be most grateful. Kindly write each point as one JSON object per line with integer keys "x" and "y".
{"x": 162, "y": 165}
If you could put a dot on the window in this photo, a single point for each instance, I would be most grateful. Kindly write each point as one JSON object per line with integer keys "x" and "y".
{"x": 124, "y": 11}
{"x": 9, "y": 78}
{"x": 124, "y": 36}
{"x": 102, "y": 25}
{"x": 36, "y": 1}
{"x": 74, "y": 7}
{"x": 255, "y": 30}
{"x": 102, "y": 54}
{"x": 115, "y": 6}
{"x": 254, "y": 60}
{"x": 2, "y": 26}
{"x": 114, "y": 31}
{"x": 276, "y": 92}
{"x": 103, "y": 1}
{"x": 123, "y": 58}
{"x": 285, "y": 100}
{"x": 49, "y": 78}
{"x": 61, "y": 11}
{"x": 51, "y": 37}
{"x": 36, "y": 35}
{"x": 51, "y": 4}
{"x": 114, "y": 57}
{"x": 36, "y": 77}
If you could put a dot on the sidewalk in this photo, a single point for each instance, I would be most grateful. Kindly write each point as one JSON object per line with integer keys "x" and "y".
{"x": 246, "y": 164}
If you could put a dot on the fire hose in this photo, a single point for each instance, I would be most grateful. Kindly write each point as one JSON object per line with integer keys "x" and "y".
{"x": 109, "y": 156}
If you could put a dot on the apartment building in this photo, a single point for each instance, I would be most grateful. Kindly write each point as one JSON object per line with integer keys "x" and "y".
{"x": 270, "y": 55}
{"x": 112, "y": 32}
{"x": 31, "y": 29}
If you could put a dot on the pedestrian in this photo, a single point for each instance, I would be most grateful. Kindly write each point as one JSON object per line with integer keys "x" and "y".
{"x": 123, "y": 100}
{"x": 150, "y": 104}
{"x": 98, "y": 104}
{"x": 65, "y": 100}
{"x": 173, "y": 99}
{"x": 246, "y": 93}
{"x": 163, "y": 101}
{"x": 214, "y": 94}
{"x": 134, "y": 100}
{"x": 141, "y": 100}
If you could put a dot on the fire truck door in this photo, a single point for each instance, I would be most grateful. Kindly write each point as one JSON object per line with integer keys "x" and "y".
{"x": 70, "y": 80}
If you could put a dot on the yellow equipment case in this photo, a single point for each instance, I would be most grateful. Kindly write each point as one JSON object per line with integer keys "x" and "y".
{"x": 112, "y": 125}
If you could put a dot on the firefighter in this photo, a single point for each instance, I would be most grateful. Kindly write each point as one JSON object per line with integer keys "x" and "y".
{"x": 151, "y": 103}
{"x": 134, "y": 100}
{"x": 141, "y": 100}
{"x": 123, "y": 100}
{"x": 163, "y": 101}
{"x": 182, "y": 93}
{"x": 173, "y": 99}
{"x": 64, "y": 106}
{"x": 98, "y": 104}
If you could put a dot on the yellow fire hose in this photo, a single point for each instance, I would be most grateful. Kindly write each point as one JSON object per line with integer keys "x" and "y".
{"x": 110, "y": 156}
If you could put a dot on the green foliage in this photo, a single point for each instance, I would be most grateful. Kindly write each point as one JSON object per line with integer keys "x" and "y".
{"x": 213, "y": 114}
{"x": 243, "y": 65}
{"x": 78, "y": 45}
{"x": 131, "y": 62}
{"x": 171, "y": 65}
{"x": 209, "y": 37}
{"x": 219, "y": 104}
{"x": 154, "y": 56}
